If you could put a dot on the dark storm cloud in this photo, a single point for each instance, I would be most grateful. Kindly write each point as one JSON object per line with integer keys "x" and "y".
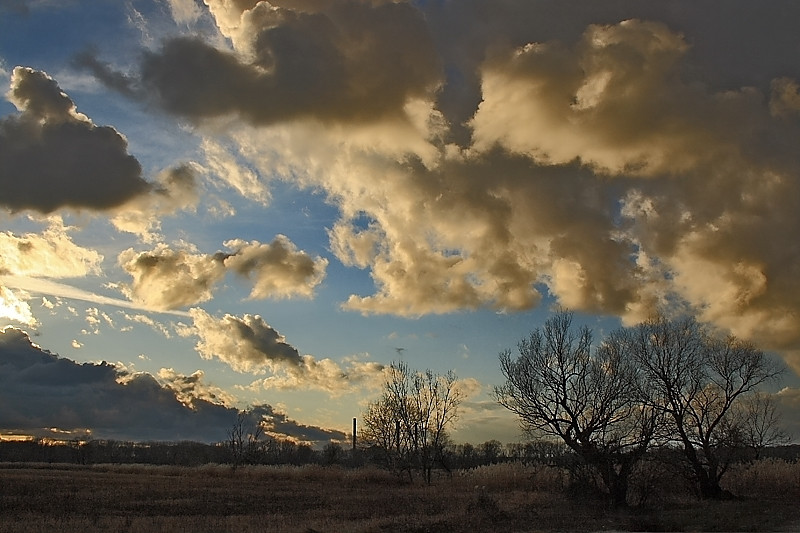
{"x": 340, "y": 61}
{"x": 52, "y": 156}
{"x": 40, "y": 390}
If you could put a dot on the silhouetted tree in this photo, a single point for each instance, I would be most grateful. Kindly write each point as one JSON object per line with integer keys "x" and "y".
{"x": 244, "y": 439}
{"x": 761, "y": 423}
{"x": 700, "y": 382}
{"x": 560, "y": 387}
{"x": 408, "y": 423}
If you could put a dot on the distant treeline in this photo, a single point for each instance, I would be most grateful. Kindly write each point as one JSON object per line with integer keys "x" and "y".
{"x": 285, "y": 452}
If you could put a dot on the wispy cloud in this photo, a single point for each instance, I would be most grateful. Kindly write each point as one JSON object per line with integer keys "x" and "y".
{"x": 63, "y": 290}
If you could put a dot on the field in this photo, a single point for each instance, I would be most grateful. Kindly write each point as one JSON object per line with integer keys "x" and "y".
{"x": 498, "y": 498}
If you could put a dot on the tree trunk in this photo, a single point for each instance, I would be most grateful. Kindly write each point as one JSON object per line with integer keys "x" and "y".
{"x": 710, "y": 488}
{"x": 619, "y": 491}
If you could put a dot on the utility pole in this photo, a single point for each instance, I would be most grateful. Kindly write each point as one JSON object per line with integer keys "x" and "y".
{"x": 354, "y": 433}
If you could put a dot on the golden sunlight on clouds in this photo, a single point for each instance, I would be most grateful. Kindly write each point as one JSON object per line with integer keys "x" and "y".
{"x": 249, "y": 345}
{"x": 367, "y": 162}
{"x": 167, "y": 279}
{"x": 51, "y": 253}
{"x": 13, "y": 307}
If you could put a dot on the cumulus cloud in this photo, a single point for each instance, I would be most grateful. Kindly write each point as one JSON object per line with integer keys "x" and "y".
{"x": 333, "y": 61}
{"x": 148, "y": 321}
{"x": 51, "y": 253}
{"x": 40, "y": 391}
{"x": 191, "y": 388}
{"x": 706, "y": 174}
{"x": 277, "y": 424}
{"x": 616, "y": 156}
{"x": 278, "y": 269}
{"x": 250, "y": 344}
{"x": 600, "y": 169}
{"x": 52, "y": 156}
{"x": 96, "y": 318}
{"x": 164, "y": 278}
{"x": 14, "y": 306}
{"x": 246, "y": 344}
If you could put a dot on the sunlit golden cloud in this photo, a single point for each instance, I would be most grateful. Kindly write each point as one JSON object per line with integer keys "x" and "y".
{"x": 248, "y": 344}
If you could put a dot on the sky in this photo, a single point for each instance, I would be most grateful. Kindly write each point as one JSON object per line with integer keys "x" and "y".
{"x": 208, "y": 206}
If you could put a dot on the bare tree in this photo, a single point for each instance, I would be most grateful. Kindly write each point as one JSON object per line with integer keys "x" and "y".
{"x": 761, "y": 423}
{"x": 410, "y": 420}
{"x": 698, "y": 382}
{"x": 559, "y": 387}
{"x": 244, "y": 438}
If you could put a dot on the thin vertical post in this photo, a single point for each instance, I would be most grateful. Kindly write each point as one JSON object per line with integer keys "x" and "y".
{"x": 354, "y": 433}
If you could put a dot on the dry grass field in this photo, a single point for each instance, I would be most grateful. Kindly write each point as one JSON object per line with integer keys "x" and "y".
{"x": 497, "y": 498}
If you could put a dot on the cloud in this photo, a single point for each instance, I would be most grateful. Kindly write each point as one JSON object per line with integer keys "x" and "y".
{"x": 704, "y": 175}
{"x": 279, "y": 269}
{"x": 95, "y": 318}
{"x": 191, "y": 388}
{"x": 617, "y": 157}
{"x": 600, "y": 169}
{"x": 227, "y": 169}
{"x": 51, "y": 253}
{"x": 278, "y": 425}
{"x": 169, "y": 279}
{"x": 62, "y": 290}
{"x": 249, "y": 344}
{"x": 14, "y": 306}
{"x": 184, "y": 11}
{"x": 788, "y": 402}
{"x": 103, "y": 72}
{"x": 332, "y": 61}
{"x": 40, "y": 391}
{"x": 164, "y": 278}
{"x": 148, "y": 321}
{"x": 175, "y": 189}
{"x": 52, "y": 156}
{"x": 246, "y": 344}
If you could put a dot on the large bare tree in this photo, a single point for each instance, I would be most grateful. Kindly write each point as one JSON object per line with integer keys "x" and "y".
{"x": 561, "y": 386}
{"x": 701, "y": 383}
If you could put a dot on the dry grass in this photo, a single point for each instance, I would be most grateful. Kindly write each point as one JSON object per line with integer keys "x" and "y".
{"x": 507, "y": 497}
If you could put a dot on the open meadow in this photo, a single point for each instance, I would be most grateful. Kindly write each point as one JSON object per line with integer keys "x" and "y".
{"x": 501, "y": 497}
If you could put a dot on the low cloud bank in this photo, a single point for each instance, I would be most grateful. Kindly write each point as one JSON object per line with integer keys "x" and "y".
{"x": 42, "y": 393}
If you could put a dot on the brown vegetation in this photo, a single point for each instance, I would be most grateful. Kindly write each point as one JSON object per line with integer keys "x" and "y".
{"x": 501, "y": 497}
